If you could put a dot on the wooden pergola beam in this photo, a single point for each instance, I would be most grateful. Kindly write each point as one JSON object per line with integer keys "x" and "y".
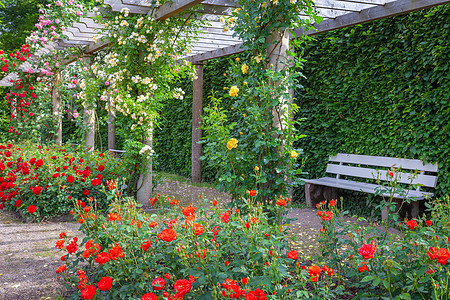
{"x": 373, "y": 13}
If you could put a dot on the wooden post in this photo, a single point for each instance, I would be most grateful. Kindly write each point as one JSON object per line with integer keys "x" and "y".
{"x": 89, "y": 118}
{"x": 56, "y": 101}
{"x": 111, "y": 128}
{"x": 197, "y": 110}
{"x": 278, "y": 45}
{"x": 146, "y": 180}
{"x": 89, "y": 114}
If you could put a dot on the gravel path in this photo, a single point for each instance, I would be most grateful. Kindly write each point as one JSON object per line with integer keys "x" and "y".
{"x": 28, "y": 258}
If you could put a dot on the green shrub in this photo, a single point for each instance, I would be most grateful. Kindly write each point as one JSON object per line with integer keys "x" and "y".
{"x": 43, "y": 181}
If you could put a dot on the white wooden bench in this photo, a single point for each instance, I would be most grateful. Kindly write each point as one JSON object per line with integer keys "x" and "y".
{"x": 117, "y": 152}
{"x": 372, "y": 167}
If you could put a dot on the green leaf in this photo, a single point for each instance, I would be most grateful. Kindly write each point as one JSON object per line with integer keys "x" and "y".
{"x": 367, "y": 278}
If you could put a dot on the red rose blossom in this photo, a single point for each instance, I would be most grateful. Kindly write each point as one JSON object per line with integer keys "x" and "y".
{"x": 31, "y": 209}
{"x": 443, "y": 256}
{"x": 412, "y": 224}
{"x": 168, "y": 235}
{"x": 149, "y": 296}
{"x": 182, "y": 287}
{"x": 293, "y": 254}
{"x": 61, "y": 269}
{"x": 88, "y": 292}
{"x": 102, "y": 258}
{"x": 37, "y": 190}
{"x": 367, "y": 250}
{"x": 105, "y": 283}
{"x": 158, "y": 284}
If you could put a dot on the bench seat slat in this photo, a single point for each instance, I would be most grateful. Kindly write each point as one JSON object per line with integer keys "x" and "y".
{"x": 368, "y": 173}
{"x": 364, "y": 187}
{"x": 380, "y": 161}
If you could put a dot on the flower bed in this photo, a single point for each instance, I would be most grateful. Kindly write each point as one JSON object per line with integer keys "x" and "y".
{"x": 194, "y": 254}
{"x": 41, "y": 182}
{"x": 244, "y": 253}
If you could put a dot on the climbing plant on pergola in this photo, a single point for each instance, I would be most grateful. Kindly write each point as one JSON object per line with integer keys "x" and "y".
{"x": 228, "y": 29}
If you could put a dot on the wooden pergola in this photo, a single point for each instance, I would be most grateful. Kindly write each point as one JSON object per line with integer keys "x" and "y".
{"x": 214, "y": 41}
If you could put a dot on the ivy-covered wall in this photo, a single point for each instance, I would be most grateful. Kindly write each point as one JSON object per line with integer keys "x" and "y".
{"x": 381, "y": 88}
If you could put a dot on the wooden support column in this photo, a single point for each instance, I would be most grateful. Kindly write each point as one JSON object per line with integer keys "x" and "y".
{"x": 145, "y": 181}
{"x": 89, "y": 118}
{"x": 89, "y": 115}
{"x": 278, "y": 46}
{"x": 197, "y": 110}
{"x": 111, "y": 128}
{"x": 56, "y": 102}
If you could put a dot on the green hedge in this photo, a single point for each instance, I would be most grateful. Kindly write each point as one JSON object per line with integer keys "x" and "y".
{"x": 173, "y": 136}
{"x": 381, "y": 88}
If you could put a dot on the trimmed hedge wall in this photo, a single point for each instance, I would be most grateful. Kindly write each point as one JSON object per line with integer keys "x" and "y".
{"x": 381, "y": 88}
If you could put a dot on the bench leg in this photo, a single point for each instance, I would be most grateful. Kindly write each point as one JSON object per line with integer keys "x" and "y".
{"x": 316, "y": 193}
{"x": 414, "y": 209}
{"x": 308, "y": 195}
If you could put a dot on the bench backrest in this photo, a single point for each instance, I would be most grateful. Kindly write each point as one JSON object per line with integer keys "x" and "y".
{"x": 365, "y": 166}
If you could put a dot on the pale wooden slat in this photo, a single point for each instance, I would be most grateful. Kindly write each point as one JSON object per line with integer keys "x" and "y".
{"x": 90, "y": 23}
{"x": 342, "y": 5}
{"x": 214, "y": 10}
{"x": 369, "y": 188}
{"x": 238, "y": 48}
{"x": 228, "y": 3}
{"x": 403, "y": 163}
{"x": 82, "y": 27}
{"x": 425, "y": 180}
{"x": 172, "y": 8}
{"x": 373, "y": 2}
{"x": 77, "y": 33}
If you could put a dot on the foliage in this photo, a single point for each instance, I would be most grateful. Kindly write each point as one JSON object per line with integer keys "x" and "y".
{"x": 174, "y": 131}
{"x": 383, "y": 263}
{"x": 51, "y": 178}
{"x": 262, "y": 131}
{"x": 224, "y": 253}
{"x": 17, "y": 19}
{"x": 379, "y": 89}
{"x": 135, "y": 162}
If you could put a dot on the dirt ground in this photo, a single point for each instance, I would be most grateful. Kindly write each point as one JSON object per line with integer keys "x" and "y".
{"x": 28, "y": 257}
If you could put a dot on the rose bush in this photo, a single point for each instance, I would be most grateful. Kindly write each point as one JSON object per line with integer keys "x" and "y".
{"x": 189, "y": 253}
{"x": 41, "y": 182}
{"x": 409, "y": 264}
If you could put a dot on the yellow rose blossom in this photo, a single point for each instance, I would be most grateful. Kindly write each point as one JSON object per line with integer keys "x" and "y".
{"x": 232, "y": 143}
{"x": 234, "y": 91}
{"x": 256, "y": 168}
{"x": 244, "y": 69}
{"x": 294, "y": 154}
{"x": 237, "y": 58}
{"x": 241, "y": 133}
